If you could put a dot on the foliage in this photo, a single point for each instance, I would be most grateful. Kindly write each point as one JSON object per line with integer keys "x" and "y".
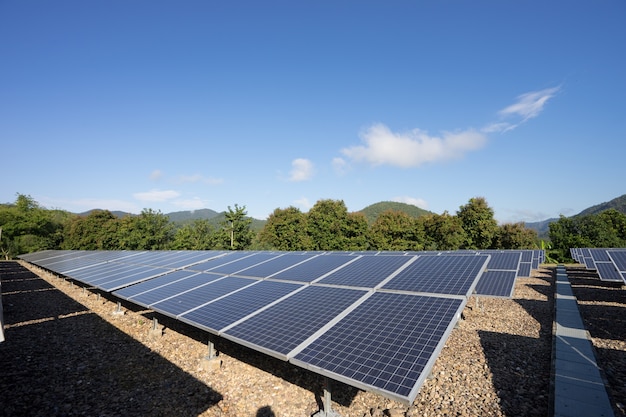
{"x": 151, "y": 230}
{"x": 515, "y": 236}
{"x": 27, "y": 227}
{"x": 326, "y": 225}
{"x": 604, "y": 230}
{"x": 443, "y": 232}
{"x": 235, "y": 232}
{"x": 198, "y": 235}
{"x": 285, "y": 230}
{"x": 372, "y": 211}
{"x": 396, "y": 231}
{"x": 479, "y": 224}
{"x": 617, "y": 204}
{"x": 97, "y": 231}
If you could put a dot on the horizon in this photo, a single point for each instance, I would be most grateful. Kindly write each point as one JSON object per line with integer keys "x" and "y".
{"x": 178, "y": 107}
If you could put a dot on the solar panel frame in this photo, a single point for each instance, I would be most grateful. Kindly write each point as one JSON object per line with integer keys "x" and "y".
{"x": 315, "y": 268}
{"x": 367, "y": 271}
{"x": 358, "y": 349}
{"x": 280, "y": 328}
{"x": 440, "y": 274}
{"x": 496, "y": 283}
{"x": 275, "y": 265}
{"x": 134, "y": 292}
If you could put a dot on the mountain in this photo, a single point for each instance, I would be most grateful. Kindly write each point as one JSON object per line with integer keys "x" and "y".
{"x": 618, "y": 204}
{"x": 186, "y": 216}
{"x": 116, "y": 213}
{"x": 372, "y": 211}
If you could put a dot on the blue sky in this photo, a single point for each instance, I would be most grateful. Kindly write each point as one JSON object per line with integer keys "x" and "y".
{"x": 126, "y": 105}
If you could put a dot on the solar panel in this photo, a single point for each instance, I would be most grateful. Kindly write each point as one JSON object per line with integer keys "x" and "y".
{"x": 180, "y": 303}
{"x": 314, "y": 268}
{"x": 524, "y": 269}
{"x": 496, "y": 283}
{"x": 443, "y": 274}
{"x": 608, "y": 272}
{"x": 275, "y": 265}
{"x": 241, "y": 264}
{"x": 367, "y": 271}
{"x": 618, "y": 256}
{"x": 282, "y": 327}
{"x": 226, "y": 311}
{"x": 506, "y": 261}
{"x": 387, "y": 344}
{"x": 157, "y": 289}
{"x": 122, "y": 280}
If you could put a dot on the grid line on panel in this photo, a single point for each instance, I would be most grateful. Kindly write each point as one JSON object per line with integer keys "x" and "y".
{"x": 386, "y": 342}
{"x": 225, "y": 311}
{"x": 288, "y": 323}
{"x": 314, "y": 268}
{"x": 496, "y": 283}
{"x": 241, "y": 264}
{"x": 442, "y": 274}
{"x": 367, "y": 271}
{"x": 274, "y": 265}
{"x": 201, "y": 295}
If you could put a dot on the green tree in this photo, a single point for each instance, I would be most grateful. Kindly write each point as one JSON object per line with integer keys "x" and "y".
{"x": 327, "y": 225}
{"x": 151, "y": 230}
{"x": 357, "y": 232}
{"x": 198, "y": 235}
{"x": 96, "y": 231}
{"x": 236, "y": 233}
{"x": 515, "y": 236}
{"x": 285, "y": 229}
{"x": 479, "y": 224}
{"x": 443, "y": 232}
{"x": 27, "y": 227}
{"x": 396, "y": 231}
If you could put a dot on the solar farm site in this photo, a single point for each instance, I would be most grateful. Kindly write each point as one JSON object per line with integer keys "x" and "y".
{"x": 376, "y": 322}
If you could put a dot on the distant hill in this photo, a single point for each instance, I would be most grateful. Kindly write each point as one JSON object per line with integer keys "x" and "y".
{"x": 372, "y": 212}
{"x": 543, "y": 227}
{"x": 618, "y": 204}
{"x": 116, "y": 213}
{"x": 186, "y": 216}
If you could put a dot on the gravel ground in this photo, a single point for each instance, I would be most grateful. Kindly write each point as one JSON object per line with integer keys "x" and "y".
{"x": 67, "y": 354}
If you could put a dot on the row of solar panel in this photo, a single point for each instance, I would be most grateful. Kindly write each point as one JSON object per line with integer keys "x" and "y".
{"x": 374, "y": 322}
{"x": 610, "y": 263}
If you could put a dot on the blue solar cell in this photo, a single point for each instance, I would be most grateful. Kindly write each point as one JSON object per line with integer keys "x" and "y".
{"x": 508, "y": 261}
{"x": 608, "y": 272}
{"x": 496, "y": 283}
{"x": 314, "y": 268}
{"x": 527, "y": 256}
{"x": 599, "y": 255}
{"x": 618, "y": 256}
{"x": 367, "y": 271}
{"x": 387, "y": 344}
{"x": 442, "y": 274}
{"x": 524, "y": 269}
{"x": 182, "y": 302}
{"x": 117, "y": 282}
{"x": 241, "y": 264}
{"x": 275, "y": 265}
{"x": 179, "y": 279}
{"x": 226, "y": 311}
{"x": 280, "y": 328}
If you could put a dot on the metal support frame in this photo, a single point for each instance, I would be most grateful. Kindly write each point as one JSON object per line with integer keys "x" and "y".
{"x": 211, "y": 352}
{"x": 118, "y": 310}
{"x": 327, "y": 408}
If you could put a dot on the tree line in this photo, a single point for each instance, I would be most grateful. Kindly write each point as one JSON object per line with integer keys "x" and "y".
{"x": 606, "y": 229}
{"x": 26, "y": 227}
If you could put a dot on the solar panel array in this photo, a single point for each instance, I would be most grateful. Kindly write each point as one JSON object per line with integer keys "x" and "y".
{"x": 609, "y": 263}
{"x": 374, "y": 320}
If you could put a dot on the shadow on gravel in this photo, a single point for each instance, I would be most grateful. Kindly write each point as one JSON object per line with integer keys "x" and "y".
{"x": 59, "y": 359}
{"x": 518, "y": 376}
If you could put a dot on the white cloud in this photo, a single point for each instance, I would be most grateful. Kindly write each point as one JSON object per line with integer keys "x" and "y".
{"x": 413, "y": 148}
{"x": 303, "y": 203}
{"x": 156, "y": 175}
{"x": 84, "y": 204}
{"x": 197, "y": 178}
{"x": 528, "y": 106}
{"x": 417, "y": 202}
{"x": 195, "y": 203}
{"x": 156, "y": 195}
{"x": 302, "y": 170}
{"x": 340, "y": 166}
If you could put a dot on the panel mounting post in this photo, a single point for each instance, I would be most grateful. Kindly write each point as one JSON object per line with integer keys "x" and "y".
{"x": 118, "y": 310}
{"x": 210, "y": 362}
{"x": 327, "y": 409}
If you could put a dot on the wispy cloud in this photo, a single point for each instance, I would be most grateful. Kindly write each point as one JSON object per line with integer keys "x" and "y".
{"x": 340, "y": 165}
{"x": 302, "y": 170}
{"x": 303, "y": 203}
{"x": 417, "y": 202}
{"x": 197, "y": 178}
{"x": 157, "y": 195}
{"x": 156, "y": 175}
{"x": 413, "y": 148}
{"x": 528, "y": 105}
{"x": 84, "y": 204}
{"x": 195, "y": 203}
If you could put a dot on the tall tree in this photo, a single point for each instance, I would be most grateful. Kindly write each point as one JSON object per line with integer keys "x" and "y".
{"x": 326, "y": 225}
{"x": 198, "y": 235}
{"x": 515, "y": 236}
{"x": 236, "y": 233}
{"x": 479, "y": 224}
{"x": 396, "y": 230}
{"x": 357, "y": 232}
{"x": 285, "y": 229}
{"x": 443, "y": 232}
{"x": 96, "y": 231}
{"x": 151, "y": 230}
